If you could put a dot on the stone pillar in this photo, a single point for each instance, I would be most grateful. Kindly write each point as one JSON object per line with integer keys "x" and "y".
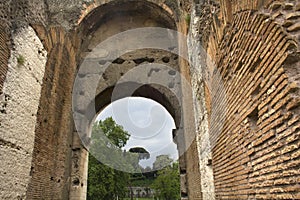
{"x": 79, "y": 171}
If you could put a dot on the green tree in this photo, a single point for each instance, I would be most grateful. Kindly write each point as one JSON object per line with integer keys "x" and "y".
{"x": 167, "y": 183}
{"x": 104, "y": 182}
{"x": 114, "y": 132}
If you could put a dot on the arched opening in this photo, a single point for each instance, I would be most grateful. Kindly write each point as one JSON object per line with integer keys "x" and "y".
{"x": 147, "y": 122}
{"x": 114, "y": 65}
{"x": 149, "y": 127}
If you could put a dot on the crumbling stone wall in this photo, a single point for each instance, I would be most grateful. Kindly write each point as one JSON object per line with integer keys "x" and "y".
{"x": 54, "y": 130}
{"x": 245, "y": 94}
{"x": 59, "y": 159}
{"x": 19, "y": 102}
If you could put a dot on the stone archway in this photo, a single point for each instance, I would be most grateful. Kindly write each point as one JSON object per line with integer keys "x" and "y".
{"x": 101, "y": 65}
{"x": 58, "y": 157}
{"x": 254, "y": 45}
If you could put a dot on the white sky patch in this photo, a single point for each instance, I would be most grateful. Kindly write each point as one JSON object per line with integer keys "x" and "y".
{"x": 149, "y": 124}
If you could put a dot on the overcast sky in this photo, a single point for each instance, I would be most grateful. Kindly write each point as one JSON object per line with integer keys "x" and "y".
{"x": 148, "y": 123}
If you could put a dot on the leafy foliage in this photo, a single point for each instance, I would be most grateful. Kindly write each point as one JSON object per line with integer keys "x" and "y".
{"x": 167, "y": 184}
{"x": 105, "y": 183}
{"x": 21, "y": 60}
{"x": 114, "y": 132}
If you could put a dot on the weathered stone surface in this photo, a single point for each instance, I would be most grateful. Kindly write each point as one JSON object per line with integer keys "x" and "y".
{"x": 243, "y": 105}
{"x": 19, "y": 104}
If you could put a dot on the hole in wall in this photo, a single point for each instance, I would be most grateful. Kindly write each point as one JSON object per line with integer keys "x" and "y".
{"x": 256, "y": 91}
{"x": 141, "y": 60}
{"x": 166, "y": 59}
{"x": 255, "y": 65}
{"x": 151, "y": 60}
{"x": 239, "y": 66}
{"x": 76, "y": 181}
{"x": 118, "y": 61}
{"x": 253, "y": 118}
{"x": 31, "y": 171}
{"x": 3, "y": 111}
{"x": 209, "y": 162}
{"x": 184, "y": 194}
{"x": 105, "y": 77}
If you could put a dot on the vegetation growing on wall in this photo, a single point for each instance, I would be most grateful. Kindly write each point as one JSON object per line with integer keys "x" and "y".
{"x": 21, "y": 60}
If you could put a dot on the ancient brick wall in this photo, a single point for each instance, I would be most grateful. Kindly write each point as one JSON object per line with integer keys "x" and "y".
{"x": 193, "y": 173}
{"x": 4, "y": 42}
{"x": 246, "y": 100}
{"x": 58, "y": 161}
{"x": 256, "y": 153}
{"x": 4, "y": 54}
{"x": 53, "y": 134}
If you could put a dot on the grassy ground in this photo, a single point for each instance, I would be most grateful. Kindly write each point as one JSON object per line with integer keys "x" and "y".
{"x": 139, "y": 199}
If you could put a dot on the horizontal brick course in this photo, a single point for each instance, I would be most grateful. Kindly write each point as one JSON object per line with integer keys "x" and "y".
{"x": 256, "y": 154}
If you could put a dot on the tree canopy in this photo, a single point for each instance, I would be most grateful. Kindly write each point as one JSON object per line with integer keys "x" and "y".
{"x": 104, "y": 182}
{"x": 167, "y": 183}
{"x": 161, "y": 162}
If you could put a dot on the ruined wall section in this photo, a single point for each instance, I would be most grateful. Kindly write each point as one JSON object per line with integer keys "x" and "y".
{"x": 16, "y": 13}
{"x": 256, "y": 155}
{"x": 19, "y": 103}
{"x": 231, "y": 7}
{"x": 13, "y": 15}
{"x": 189, "y": 171}
{"x": 4, "y": 42}
{"x": 198, "y": 58}
{"x": 51, "y": 163}
{"x": 4, "y": 53}
{"x": 70, "y": 13}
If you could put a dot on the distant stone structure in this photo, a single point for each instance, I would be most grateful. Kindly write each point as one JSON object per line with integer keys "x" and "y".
{"x": 237, "y": 128}
{"x": 141, "y": 192}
